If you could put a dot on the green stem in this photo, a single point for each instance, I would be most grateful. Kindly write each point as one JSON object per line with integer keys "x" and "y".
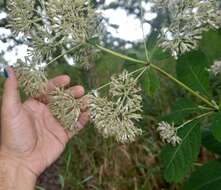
{"x": 119, "y": 55}
{"x": 184, "y": 86}
{"x": 196, "y": 94}
{"x": 195, "y": 118}
{"x": 142, "y": 27}
{"x": 61, "y": 55}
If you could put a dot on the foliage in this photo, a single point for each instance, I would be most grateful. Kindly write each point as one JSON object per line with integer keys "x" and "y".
{"x": 61, "y": 29}
{"x": 194, "y": 75}
{"x": 178, "y": 160}
{"x": 206, "y": 177}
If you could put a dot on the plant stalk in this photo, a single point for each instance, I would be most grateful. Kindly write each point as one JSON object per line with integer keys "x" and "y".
{"x": 194, "y": 93}
{"x": 61, "y": 55}
{"x": 195, "y": 118}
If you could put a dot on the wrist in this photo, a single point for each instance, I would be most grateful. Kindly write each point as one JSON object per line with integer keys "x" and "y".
{"x": 14, "y": 175}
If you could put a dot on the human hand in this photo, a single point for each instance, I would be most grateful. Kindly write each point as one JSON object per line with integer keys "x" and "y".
{"x": 30, "y": 135}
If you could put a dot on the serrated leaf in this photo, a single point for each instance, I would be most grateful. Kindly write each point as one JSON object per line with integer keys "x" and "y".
{"x": 150, "y": 82}
{"x": 209, "y": 141}
{"x": 181, "y": 109}
{"x": 177, "y": 161}
{"x": 216, "y": 126}
{"x": 206, "y": 177}
{"x": 191, "y": 70}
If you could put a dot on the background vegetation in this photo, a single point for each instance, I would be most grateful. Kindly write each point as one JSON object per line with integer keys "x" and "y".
{"x": 90, "y": 162}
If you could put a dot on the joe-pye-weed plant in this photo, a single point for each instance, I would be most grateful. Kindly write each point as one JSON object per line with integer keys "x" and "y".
{"x": 79, "y": 27}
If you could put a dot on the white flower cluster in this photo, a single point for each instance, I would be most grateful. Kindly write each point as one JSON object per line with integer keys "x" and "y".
{"x": 74, "y": 17}
{"x": 31, "y": 79}
{"x": 116, "y": 117}
{"x": 21, "y": 15}
{"x": 215, "y": 69}
{"x": 65, "y": 108}
{"x": 56, "y": 24}
{"x": 186, "y": 20}
{"x": 168, "y": 133}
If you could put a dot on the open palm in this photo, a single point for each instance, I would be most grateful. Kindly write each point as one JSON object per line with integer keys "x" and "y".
{"x": 30, "y": 134}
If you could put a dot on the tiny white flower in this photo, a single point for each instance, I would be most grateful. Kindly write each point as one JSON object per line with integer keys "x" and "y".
{"x": 215, "y": 69}
{"x": 168, "y": 133}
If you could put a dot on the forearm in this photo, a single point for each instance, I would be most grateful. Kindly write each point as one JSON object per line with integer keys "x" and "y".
{"x": 15, "y": 176}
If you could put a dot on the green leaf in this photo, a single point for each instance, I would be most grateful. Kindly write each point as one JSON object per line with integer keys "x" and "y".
{"x": 177, "y": 161}
{"x": 216, "y": 126}
{"x": 131, "y": 66}
{"x": 156, "y": 53}
{"x": 181, "y": 109}
{"x": 210, "y": 142}
{"x": 152, "y": 40}
{"x": 211, "y": 44}
{"x": 191, "y": 70}
{"x": 206, "y": 177}
{"x": 150, "y": 82}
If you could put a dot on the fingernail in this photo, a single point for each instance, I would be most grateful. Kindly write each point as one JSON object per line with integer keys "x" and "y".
{"x": 6, "y": 73}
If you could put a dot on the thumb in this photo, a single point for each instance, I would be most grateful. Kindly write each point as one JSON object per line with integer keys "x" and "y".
{"x": 11, "y": 97}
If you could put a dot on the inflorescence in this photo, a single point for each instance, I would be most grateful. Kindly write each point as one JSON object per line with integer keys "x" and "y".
{"x": 116, "y": 116}
{"x": 65, "y": 108}
{"x": 31, "y": 79}
{"x": 185, "y": 22}
{"x": 56, "y": 24}
{"x": 168, "y": 133}
{"x": 66, "y": 24}
{"x": 215, "y": 69}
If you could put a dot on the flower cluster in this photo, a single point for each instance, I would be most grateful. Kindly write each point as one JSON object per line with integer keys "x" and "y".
{"x": 53, "y": 24}
{"x": 74, "y": 17}
{"x": 65, "y": 108}
{"x": 85, "y": 56}
{"x": 215, "y": 69}
{"x": 43, "y": 44}
{"x": 186, "y": 20}
{"x": 21, "y": 15}
{"x": 31, "y": 79}
{"x": 168, "y": 133}
{"x": 116, "y": 117}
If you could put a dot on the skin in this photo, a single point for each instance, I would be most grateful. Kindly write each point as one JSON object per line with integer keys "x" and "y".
{"x": 31, "y": 138}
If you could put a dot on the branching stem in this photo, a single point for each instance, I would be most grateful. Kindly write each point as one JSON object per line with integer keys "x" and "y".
{"x": 142, "y": 27}
{"x": 155, "y": 67}
{"x": 195, "y": 118}
{"x": 63, "y": 54}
